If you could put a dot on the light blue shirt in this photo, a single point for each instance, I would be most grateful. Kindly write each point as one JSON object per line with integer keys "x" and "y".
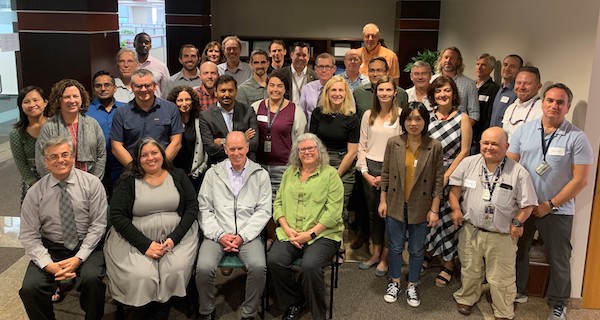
{"x": 569, "y": 146}
{"x": 360, "y": 80}
{"x": 504, "y": 98}
{"x": 241, "y": 74}
{"x": 227, "y": 116}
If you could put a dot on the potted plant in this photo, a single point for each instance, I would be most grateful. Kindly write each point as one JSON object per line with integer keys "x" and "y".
{"x": 427, "y": 56}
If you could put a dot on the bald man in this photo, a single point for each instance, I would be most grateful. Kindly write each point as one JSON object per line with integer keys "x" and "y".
{"x": 373, "y": 48}
{"x": 498, "y": 196}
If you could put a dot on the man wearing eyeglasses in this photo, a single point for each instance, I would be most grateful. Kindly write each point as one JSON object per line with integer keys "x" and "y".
{"x": 528, "y": 106}
{"x": 103, "y": 108}
{"x": 373, "y": 48}
{"x": 325, "y": 69}
{"x": 255, "y": 88}
{"x": 363, "y": 95}
{"x": 352, "y": 62}
{"x": 145, "y": 116}
{"x": 127, "y": 63}
{"x": 63, "y": 219}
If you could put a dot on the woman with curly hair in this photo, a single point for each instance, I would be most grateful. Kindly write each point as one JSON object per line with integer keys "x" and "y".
{"x": 68, "y": 103}
{"x": 191, "y": 158}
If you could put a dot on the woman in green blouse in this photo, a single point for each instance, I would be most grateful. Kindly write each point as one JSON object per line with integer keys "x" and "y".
{"x": 31, "y": 105}
{"x": 308, "y": 212}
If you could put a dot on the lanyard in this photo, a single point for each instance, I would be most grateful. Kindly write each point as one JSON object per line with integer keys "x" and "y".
{"x": 545, "y": 146}
{"x": 526, "y": 116}
{"x": 302, "y": 83}
{"x": 497, "y": 173}
{"x": 269, "y": 122}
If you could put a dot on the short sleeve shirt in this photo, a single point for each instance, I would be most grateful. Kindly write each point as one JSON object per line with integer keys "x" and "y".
{"x": 132, "y": 123}
{"x": 569, "y": 146}
{"x": 513, "y": 190}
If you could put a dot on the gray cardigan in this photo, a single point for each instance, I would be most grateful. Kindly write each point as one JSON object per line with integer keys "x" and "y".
{"x": 91, "y": 146}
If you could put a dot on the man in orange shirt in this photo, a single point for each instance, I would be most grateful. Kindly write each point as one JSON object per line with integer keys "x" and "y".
{"x": 372, "y": 48}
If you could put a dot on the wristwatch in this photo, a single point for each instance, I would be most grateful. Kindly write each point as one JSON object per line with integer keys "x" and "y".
{"x": 313, "y": 235}
{"x": 516, "y": 223}
{"x": 553, "y": 208}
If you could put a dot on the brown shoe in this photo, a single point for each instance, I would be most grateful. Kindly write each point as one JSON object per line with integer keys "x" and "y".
{"x": 464, "y": 309}
{"x": 502, "y": 318}
{"x": 358, "y": 241}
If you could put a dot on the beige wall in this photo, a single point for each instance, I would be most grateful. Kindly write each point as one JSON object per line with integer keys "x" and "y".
{"x": 560, "y": 38}
{"x": 304, "y": 18}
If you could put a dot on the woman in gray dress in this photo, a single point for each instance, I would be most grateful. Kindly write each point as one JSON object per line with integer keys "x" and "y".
{"x": 152, "y": 244}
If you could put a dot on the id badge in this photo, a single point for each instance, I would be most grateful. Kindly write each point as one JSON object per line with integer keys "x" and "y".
{"x": 488, "y": 216}
{"x": 267, "y": 147}
{"x": 486, "y": 195}
{"x": 542, "y": 168}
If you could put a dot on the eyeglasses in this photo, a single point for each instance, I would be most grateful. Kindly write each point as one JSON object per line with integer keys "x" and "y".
{"x": 308, "y": 149}
{"x": 139, "y": 86}
{"x": 56, "y": 156}
{"x": 325, "y": 68}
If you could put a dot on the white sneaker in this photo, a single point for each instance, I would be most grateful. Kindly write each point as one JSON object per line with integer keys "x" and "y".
{"x": 558, "y": 312}
{"x": 521, "y": 298}
{"x": 412, "y": 297}
{"x": 391, "y": 294}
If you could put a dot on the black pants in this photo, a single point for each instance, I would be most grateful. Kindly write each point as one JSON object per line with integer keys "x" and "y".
{"x": 312, "y": 287}
{"x": 39, "y": 285}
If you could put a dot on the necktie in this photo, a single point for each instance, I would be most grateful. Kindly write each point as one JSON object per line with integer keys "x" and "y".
{"x": 67, "y": 218}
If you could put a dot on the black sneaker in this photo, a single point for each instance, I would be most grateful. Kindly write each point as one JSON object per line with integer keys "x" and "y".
{"x": 412, "y": 297}
{"x": 391, "y": 294}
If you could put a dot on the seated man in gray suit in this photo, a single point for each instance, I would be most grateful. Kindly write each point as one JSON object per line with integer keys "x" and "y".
{"x": 227, "y": 116}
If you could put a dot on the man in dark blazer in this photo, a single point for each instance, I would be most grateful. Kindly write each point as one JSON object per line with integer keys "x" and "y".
{"x": 227, "y": 116}
{"x": 298, "y": 74}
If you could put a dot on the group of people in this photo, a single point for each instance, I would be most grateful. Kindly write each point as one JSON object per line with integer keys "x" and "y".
{"x": 244, "y": 158}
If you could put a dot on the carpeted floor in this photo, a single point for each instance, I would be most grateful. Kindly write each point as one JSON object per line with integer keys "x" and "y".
{"x": 9, "y": 256}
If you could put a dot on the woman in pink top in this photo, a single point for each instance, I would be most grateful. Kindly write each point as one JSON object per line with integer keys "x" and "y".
{"x": 377, "y": 126}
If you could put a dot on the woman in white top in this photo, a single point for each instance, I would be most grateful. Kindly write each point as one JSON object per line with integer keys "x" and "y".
{"x": 377, "y": 126}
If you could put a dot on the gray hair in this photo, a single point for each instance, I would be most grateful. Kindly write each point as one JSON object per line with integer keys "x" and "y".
{"x": 124, "y": 50}
{"x": 421, "y": 64}
{"x": 491, "y": 60}
{"x": 139, "y": 73}
{"x": 57, "y": 141}
{"x": 294, "y": 159}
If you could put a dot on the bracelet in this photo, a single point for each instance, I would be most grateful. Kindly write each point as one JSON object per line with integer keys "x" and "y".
{"x": 432, "y": 211}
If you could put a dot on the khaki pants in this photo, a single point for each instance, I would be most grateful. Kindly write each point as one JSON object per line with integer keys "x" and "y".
{"x": 490, "y": 255}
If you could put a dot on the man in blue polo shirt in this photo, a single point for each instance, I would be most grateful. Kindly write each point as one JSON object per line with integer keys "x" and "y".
{"x": 145, "y": 116}
{"x": 103, "y": 108}
{"x": 558, "y": 157}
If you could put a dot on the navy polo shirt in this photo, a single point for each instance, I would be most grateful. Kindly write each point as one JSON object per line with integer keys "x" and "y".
{"x": 132, "y": 123}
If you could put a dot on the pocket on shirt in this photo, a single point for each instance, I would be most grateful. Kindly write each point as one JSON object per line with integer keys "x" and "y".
{"x": 503, "y": 197}
{"x": 162, "y": 122}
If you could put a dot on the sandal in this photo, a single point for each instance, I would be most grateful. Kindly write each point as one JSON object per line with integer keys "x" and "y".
{"x": 57, "y": 297}
{"x": 426, "y": 262}
{"x": 444, "y": 281}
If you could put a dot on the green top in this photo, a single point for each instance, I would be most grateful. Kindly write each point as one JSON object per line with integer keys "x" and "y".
{"x": 305, "y": 204}
{"x": 22, "y": 146}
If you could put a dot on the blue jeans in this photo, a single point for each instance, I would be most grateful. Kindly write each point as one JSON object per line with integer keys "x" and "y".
{"x": 397, "y": 234}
